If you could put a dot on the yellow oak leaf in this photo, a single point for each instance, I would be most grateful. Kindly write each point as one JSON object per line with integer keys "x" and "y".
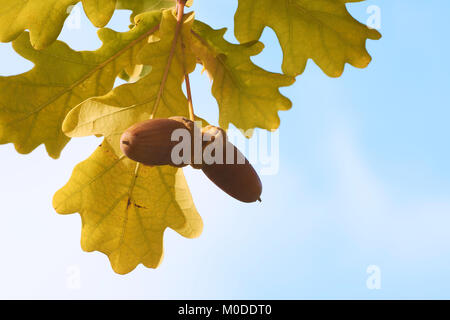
{"x": 33, "y": 105}
{"x": 125, "y": 208}
{"x": 161, "y": 89}
{"x": 144, "y": 5}
{"x": 248, "y": 96}
{"x": 99, "y": 11}
{"x": 44, "y": 19}
{"x": 321, "y": 30}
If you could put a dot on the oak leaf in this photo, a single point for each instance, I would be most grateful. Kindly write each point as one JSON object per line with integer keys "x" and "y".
{"x": 248, "y": 96}
{"x": 43, "y": 18}
{"x": 125, "y": 208}
{"x": 322, "y": 30}
{"x": 159, "y": 90}
{"x": 99, "y": 11}
{"x": 33, "y": 105}
{"x": 144, "y": 5}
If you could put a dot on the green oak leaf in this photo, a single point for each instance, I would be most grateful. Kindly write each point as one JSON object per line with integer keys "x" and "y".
{"x": 248, "y": 96}
{"x": 33, "y": 105}
{"x": 321, "y": 30}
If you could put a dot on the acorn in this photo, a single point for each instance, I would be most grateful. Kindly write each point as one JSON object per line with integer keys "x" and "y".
{"x": 233, "y": 174}
{"x": 150, "y": 142}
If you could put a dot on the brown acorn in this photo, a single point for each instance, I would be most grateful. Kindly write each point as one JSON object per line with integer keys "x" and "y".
{"x": 234, "y": 174}
{"x": 150, "y": 142}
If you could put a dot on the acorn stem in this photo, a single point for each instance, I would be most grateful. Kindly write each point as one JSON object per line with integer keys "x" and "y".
{"x": 180, "y": 6}
{"x": 189, "y": 96}
{"x": 180, "y": 15}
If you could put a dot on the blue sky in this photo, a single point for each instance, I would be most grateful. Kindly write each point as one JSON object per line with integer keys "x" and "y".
{"x": 364, "y": 180}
